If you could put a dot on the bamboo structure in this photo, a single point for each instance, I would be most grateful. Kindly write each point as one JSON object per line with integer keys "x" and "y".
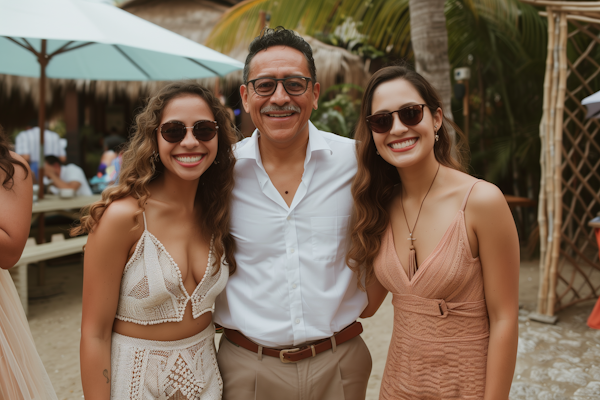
{"x": 570, "y": 157}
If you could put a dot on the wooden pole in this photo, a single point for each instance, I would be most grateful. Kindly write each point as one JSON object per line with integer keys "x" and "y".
{"x": 550, "y": 164}
{"x": 558, "y": 131}
{"x": 542, "y": 204}
{"x": 42, "y": 59}
{"x": 466, "y": 108}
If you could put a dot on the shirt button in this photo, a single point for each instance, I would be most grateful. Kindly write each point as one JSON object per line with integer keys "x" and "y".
{"x": 297, "y": 320}
{"x": 294, "y": 286}
{"x": 289, "y": 217}
{"x": 292, "y": 251}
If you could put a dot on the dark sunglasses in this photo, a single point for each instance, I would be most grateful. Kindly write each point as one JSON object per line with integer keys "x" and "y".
{"x": 175, "y": 131}
{"x": 383, "y": 122}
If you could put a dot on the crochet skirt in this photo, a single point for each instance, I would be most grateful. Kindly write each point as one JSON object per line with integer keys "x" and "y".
{"x": 165, "y": 370}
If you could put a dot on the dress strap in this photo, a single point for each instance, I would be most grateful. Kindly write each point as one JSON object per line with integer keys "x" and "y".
{"x": 144, "y": 215}
{"x": 464, "y": 204}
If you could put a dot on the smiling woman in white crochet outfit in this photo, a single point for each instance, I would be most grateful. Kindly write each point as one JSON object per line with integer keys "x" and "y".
{"x": 158, "y": 253}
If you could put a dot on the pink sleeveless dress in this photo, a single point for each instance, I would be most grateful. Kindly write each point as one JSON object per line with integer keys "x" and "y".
{"x": 441, "y": 326}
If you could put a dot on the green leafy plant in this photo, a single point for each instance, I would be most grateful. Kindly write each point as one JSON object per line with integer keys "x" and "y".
{"x": 339, "y": 109}
{"x": 347, "y": 36}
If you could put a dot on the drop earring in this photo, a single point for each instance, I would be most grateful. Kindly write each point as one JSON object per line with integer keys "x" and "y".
{"x": 437, "y": 137}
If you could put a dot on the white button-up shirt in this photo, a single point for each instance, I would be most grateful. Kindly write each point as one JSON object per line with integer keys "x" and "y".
{"x": 28, "y": 143}
{"x": 292, "y": 284}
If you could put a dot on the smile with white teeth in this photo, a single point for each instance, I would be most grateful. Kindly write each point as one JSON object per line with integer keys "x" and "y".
{"x": 401, "y": 145}
{"x": 189, "y": 159}
{"x": 279, "y": 115}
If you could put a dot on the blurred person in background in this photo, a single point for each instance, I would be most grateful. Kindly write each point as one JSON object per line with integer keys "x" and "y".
{"x": 22, "y": 374}
{"x": 27, "y": 145}
{"x": 68, "y": 176}
{"x": 112, "y": 145}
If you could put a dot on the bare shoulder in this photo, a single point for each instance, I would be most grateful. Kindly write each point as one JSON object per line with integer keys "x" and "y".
{"x": 486, "y": 196}
{"x": 487, "y": 205}
{"x": 121, "y": 216}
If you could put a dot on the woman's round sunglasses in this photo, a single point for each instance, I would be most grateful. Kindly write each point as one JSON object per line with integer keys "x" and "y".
{"x": 175, "y": 131}
{"x": 383, "y": 122}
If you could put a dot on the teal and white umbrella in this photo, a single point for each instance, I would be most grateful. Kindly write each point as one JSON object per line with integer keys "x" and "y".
{"x": 79, "y": 39}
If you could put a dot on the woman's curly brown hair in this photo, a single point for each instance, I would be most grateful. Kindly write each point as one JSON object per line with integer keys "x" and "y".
{"x": 216, "y": 183}
{"x": 373, "y": 186}
{"x": 8, "y": 162}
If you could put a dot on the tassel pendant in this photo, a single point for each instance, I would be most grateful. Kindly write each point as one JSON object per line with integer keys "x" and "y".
{"x": 412, "y": 263}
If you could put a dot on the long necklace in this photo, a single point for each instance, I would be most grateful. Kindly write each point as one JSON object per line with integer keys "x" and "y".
{"x": 412, "y": 253}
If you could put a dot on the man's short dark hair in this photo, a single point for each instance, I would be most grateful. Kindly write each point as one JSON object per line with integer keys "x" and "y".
{"x": 52, "y": 160}
{"x": 280, "y": 36}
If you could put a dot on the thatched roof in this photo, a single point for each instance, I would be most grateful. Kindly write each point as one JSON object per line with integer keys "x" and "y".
{"x": 194, "y": 19}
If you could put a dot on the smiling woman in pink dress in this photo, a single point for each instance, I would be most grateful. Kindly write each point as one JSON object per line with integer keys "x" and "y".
{"x": 158, "y": 253}
{"x": 443, "y": 242}
{"x": 22, "y": 374}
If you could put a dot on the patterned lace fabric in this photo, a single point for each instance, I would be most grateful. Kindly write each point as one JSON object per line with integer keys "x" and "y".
{"x": 171, "y": 370}
{"x": 441, "y": 326}
{"x": 152, "y": 290}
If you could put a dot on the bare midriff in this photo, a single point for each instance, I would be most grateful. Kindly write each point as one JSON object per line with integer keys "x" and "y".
{"x": 165, "y": 331}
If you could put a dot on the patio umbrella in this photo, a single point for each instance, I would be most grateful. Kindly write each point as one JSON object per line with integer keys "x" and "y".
{"x": 593, "y": 105}
{"x": 79, "y": 39}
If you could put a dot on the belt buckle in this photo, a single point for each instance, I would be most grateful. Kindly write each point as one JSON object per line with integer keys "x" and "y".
{"x": 283, "y": 351}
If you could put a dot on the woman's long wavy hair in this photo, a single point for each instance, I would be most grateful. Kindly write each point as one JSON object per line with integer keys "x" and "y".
{"x": 216, "y": 183}
{"x": 7, "y": 163}
{"x": 373, "y": 186}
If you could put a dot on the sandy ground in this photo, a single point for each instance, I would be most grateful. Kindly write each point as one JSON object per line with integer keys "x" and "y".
{"x": 555, "y": 362}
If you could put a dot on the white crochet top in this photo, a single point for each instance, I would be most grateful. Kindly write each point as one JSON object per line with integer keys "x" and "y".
{"x": 152, "y": 290}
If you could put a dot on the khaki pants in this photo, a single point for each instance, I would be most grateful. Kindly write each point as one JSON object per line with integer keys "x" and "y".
{"x": 342, "y": 375}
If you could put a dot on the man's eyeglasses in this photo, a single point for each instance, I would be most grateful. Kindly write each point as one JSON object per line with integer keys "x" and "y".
{"x": 383, "y": 122}
{"x": 293, "y": 85}
{"x": 175, "y": 131}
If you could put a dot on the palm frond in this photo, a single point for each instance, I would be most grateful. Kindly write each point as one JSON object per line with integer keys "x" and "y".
{"x": 386, "y": 23}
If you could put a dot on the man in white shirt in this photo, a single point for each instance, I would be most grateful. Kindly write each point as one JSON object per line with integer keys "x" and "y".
{"x": 27, "y": 145}
{"x": 290, "y": 309}
{"x": 68, "y": 176}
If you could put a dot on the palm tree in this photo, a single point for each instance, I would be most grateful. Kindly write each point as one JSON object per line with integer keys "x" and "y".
{"x": 429, "y": 39}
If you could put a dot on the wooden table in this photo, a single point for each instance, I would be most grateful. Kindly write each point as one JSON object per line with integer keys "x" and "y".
{"x": 56, "y": 204}
{"x": 514, "y": 201}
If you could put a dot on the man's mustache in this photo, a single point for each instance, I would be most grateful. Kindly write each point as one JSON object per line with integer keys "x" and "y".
{"x": 271, "y": 108}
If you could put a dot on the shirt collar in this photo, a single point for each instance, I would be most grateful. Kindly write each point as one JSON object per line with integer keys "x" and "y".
{"x": 249, "y": 147}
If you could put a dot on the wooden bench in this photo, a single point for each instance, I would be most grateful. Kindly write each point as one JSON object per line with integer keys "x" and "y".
{"x": 57, "y": 247}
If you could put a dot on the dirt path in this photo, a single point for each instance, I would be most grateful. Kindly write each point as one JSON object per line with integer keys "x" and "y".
{"x": 555, "y": 362}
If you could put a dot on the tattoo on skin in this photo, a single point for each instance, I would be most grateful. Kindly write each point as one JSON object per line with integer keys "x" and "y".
{"x": 105, "y": 373}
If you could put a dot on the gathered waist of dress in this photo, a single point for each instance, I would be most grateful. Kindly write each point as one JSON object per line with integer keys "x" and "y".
{"x": 437, "y": 320}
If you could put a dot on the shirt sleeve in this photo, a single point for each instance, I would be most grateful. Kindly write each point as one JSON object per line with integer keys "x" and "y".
{"x": 21, "y": 146}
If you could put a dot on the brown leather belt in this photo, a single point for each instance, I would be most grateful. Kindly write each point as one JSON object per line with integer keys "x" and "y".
{"x": 298, "y": 353}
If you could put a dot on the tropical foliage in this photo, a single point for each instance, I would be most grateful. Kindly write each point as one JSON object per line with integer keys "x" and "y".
{"x": 339, "y": 109}
{"x": 385, "y": 23}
